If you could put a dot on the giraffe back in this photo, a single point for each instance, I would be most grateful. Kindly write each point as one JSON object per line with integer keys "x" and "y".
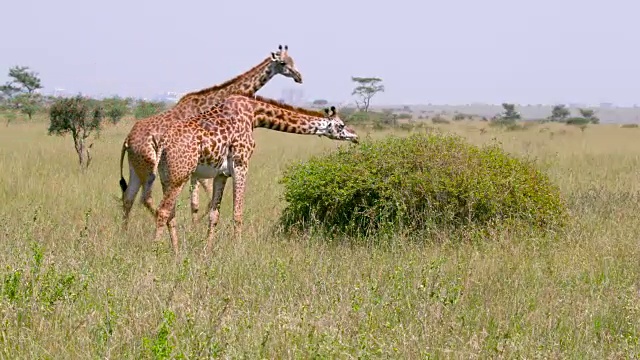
{"x": 207, "y": 144}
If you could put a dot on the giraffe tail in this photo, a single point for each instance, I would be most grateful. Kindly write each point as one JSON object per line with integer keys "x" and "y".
{"x": 123, "y": 182}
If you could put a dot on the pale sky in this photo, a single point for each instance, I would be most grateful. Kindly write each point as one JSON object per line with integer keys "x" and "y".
{"x": 453, "y": 51}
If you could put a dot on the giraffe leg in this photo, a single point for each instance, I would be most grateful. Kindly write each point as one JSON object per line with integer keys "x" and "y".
{"x": 146, "y": 199}
{"x": 219, "y": 183}
{"x": 165, "y": 215}
{"x": 207, "y": 185}
{"x": 173, "y": 232}
{"x": 129, "y": 196}
{"x": 239, "y": 184}
{"x": 193, "y": 190}
{"x": 208, "y": 188}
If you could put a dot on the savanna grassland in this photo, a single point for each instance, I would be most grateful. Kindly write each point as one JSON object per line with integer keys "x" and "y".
{"x": 73, "y": 285}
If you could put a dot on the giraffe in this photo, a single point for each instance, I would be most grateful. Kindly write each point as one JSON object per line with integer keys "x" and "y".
{"x": 142, "y": 141}
{"x": 218, "y": 144}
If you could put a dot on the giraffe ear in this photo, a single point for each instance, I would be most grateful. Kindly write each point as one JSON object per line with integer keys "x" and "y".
{"x": 326, "y": 111}
{"x": 333, "y": 109}
{"x": 273, "y": 56}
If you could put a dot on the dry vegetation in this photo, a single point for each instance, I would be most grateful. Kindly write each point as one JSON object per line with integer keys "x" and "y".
{"x": 72, "y": 285}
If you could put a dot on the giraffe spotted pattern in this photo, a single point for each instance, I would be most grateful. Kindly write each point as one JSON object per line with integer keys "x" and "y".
{"x": 219, "y": 143}
{"x": 141, "y": 144}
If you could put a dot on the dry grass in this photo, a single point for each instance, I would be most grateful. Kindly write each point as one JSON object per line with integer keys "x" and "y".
{"x": 87, "y": 290}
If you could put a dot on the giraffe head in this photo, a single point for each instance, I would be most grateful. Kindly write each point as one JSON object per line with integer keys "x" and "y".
{"x": 334, "y": 128}
{"x": 282, "y": 63}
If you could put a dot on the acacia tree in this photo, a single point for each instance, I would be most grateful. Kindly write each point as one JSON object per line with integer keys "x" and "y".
{"x": 21, "y": 89}
{"x": 508, "y": 117}
{"x": 365, "y": 89}
{"x": 510, "y": 112}
{"x": 24, "y": 80}
{"x": 589, "y": 115}
{"x": 79, "y": 117}
{"x": 559, "y": 113}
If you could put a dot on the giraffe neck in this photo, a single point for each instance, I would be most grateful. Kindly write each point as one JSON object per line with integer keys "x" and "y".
{"x": 246, "y": 84}
{"x": 271, "y": 115}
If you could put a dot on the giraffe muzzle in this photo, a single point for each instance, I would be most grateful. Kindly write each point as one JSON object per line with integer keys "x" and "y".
{"x": 297, "y": 77}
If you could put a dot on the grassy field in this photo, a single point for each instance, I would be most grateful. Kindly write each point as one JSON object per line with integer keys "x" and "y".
{"x": 73, "y": 285}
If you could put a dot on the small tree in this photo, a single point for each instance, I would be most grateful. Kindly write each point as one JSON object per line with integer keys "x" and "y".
{"x": 559, "y": 113}
{"x": 366, "y": 88}
{"x": 510, "y": 112}
{"x": 145, "y": 109}
{"x": 79, "y": 117}
{"x": 589, "y": 115}
{"x": 20, "y": 90}
{"x": 27, "y": 103}
{"x": 115, "y": 108}
{"x": 320, "y": 102}
{"x": 507, "y": 117}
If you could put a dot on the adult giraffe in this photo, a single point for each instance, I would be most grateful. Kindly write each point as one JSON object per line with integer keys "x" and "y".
{"x": 141, "y": 142}
{"x": 218, "y": 144}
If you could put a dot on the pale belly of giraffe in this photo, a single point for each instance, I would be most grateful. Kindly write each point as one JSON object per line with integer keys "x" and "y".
{"x": 209, "y": 171}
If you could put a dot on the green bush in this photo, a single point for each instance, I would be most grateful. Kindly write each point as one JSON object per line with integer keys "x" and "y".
{"x": 439, "y": 120}
{"x": 499, "y": 121}
{"x": 420, "y": 182}
{"x": 578, "y": 121}
{"x": 382, "y": 119}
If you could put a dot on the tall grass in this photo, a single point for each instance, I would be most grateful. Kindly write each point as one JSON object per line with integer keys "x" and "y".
{"x": 73, "y": 285}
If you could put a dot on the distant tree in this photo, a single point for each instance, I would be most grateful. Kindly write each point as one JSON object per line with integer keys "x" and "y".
{"x": 559, "y": 113}
{"x": 28, "y": 104}
{"x": 510, "y": 112}
{"x": 19, "y": 92}
{"x": 24, "y": 80}
{"x": 115, "y": 108}
{"x": 508, "y": 117}
{"x": 320, "y": 102}
{"x": 366, "y": 88}
{"x": 80, "y": 117}
{"x": 589, "y": 115}
{"x": 145, "y": 109}
{"x": 346, "y": 113}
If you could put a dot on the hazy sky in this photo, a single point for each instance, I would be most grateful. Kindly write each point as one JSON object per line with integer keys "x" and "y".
{"x": 453, "y": 51}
